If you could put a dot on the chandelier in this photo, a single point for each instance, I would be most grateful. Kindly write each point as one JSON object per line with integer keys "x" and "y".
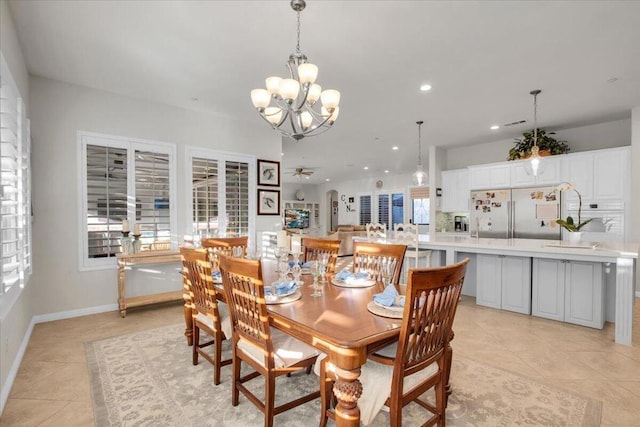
{"x": 290, "y": 104}
{"x": 419, "y": 177}
{"x": 535, "y": 165}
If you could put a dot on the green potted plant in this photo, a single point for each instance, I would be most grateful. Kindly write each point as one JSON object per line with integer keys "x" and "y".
{"x": 547, "y": 144}
{"x": 570, "y": 223}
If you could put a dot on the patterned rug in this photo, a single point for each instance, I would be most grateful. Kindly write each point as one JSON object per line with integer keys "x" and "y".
{"x": 147, "y": 379}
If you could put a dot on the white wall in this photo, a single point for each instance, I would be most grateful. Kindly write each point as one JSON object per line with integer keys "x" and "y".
{"x": 16, "y": 307}
{"x": 310, "y": 191}
{"x": 59, "y": 111}
{"x": 603, "y": 135}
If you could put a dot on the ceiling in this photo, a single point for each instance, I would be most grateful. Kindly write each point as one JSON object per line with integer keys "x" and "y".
{"x": 481, "y": 58}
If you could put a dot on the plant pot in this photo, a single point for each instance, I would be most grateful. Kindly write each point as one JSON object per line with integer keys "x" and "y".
{"x": 574, "y": 236}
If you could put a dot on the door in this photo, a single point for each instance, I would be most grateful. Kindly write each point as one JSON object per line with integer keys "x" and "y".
{"x": 534, "y": 213}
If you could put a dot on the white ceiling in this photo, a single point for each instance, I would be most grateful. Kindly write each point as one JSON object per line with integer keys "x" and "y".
{"x": 482, "y": 59}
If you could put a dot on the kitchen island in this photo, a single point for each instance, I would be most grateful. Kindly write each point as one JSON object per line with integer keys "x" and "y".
{"x": 623, "y": 255}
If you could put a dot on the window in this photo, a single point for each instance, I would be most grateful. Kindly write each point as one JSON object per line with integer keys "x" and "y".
{"x": 15, "y": 231}
{"x": 421, "y": 204}
{"x": 222, "y": 193}
{"x": 125, "y": 178}
{"x": 390, "y": 209}
{"x": 365, "y": 209}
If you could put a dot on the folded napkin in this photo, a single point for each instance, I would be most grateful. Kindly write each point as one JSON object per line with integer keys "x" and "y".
{"x": 300, "y": 263}
{"x": 282, "y": 288}
{"x": 307, "y": 264}
{"x": 347, "y": 275}
{"x": 216, "y": 275}
{"x": 389, "y": 297}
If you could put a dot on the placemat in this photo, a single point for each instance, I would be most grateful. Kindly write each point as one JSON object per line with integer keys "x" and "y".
{"x": 384, "y": 312}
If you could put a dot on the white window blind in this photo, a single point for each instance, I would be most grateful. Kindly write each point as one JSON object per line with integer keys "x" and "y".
{"x": 152, "y": 195}
{"x": 205, "y": 195}
{"x": 15, "y": 231}
{"x": 223, "y": 195}
{"x": 125, "y": 179}
{"x": 237, "y": 198}
{"x": 365, "y": 209}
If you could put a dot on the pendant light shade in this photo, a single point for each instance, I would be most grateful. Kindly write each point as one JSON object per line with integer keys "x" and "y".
{"x": 535, "y": 165}
{"x": 419, "y": 177}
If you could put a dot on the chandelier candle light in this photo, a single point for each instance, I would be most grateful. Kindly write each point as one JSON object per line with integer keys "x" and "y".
{"x": 535, "y": 166}
{"x": 290, "y": 104}
{"x": 419, "y": 177}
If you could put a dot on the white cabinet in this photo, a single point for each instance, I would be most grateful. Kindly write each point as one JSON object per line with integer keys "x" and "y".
{"x": 504, "y": 282}
{"x": 551, "y": 174}
{"x": 569, "y": 291}
{"x": 490, "y": 176}
{"x": 598, "y": 175}
{"x": 455, "y": 191}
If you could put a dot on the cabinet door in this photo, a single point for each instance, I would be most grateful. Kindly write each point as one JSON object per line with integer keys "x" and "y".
{"x": 519, "y": 177}
{"x": 584, "y": 294}
{"x": 610, "y": 172}
{"x": 462, "y": 192}
{"x": 449, "y": 191}
{"x": 489, "y": 280}
{"x": 500, "y": 176}
{"x": 516, "y": 284}
{"x": 547, "y": 290}
{"x": 480, "y": 178}
{"x": 579, "y": 171}
{"x": 552, "y": 174}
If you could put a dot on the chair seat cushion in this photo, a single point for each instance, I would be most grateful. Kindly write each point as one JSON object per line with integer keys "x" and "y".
{"x": 225, "y": 320}
{"x": 288, "y": 350}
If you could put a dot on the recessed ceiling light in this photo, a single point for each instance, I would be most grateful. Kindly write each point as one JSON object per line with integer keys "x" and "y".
{"x": 366, "y": 168}
{"x": 282, "y": 154}
{"x": 612, "y": 80}
{"x": 494, "y": 127}
{"x": 327, "y": 180}
{"x": 425, "y": 87}
{"x": 395, "y": 147}
{"x": 386, "y": 171}
{"x": 307, "y": 177}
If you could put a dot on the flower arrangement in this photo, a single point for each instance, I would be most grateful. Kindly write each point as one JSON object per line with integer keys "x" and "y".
{"x": 569, "y": 224}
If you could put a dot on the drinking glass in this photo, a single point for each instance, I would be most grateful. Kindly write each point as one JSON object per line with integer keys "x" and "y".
{"x": 324, "y": 262}
{"x": 388, "y": 266}
{"x": 280, "y": 253}
{"x": 296, "y": 270}
{"x": 237, "y": 251}
{"x": 315, "y": 272}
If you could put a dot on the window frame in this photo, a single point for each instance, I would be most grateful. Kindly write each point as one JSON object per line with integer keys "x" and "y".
{"x": 389, "y": 194}
{"x": 131, "y": 145}
{"x": 192, "y": 152}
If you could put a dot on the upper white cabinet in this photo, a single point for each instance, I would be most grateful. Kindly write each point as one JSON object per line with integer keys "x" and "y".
{"x": 455, "y": 191}
{"x": 551, "y": 174}
{"x": 598, "y": 175}
{"x": 490, "y": 176}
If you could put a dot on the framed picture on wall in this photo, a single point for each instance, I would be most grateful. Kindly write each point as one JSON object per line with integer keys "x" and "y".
{"x": 268, "y": 202}
{"x": 268, "y": 173}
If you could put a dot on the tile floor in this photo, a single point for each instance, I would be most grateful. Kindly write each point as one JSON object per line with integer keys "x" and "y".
{"x": 52, "y": 385}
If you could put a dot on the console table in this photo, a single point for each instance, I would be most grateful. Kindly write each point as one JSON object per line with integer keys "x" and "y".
{"x": 150, "y": 257}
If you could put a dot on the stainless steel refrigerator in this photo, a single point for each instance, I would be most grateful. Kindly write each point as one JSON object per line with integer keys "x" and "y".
{"x": 522, "y": 213}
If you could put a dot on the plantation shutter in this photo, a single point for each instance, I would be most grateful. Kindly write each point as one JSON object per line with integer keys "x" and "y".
{"x": 205, "y": 195}
{"x": 153, "y": 210}
{"x": 26, "y": 196}
{"x": 383, "y": 209}
{"x": 106, "y": 199}
{"x": 365, "y": 209}
{"x": 237, "y": 198}
{"x": 11, "y": 157}
{"x": 397, "y": 209}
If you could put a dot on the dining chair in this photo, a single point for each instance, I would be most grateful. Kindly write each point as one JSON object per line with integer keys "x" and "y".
{"x": 226, "y": 245}
{"x": 376, "y": 257}
{"x": 312, "y": 248}
{"x": 376, "y": 231}
{"x": 408, "y": 234}
{"x": 208, "y": 314}
{"x": 269, "y": 351}
{"x": 403, "y": 371}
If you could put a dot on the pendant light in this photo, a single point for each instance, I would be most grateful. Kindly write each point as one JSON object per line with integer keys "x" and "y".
{"x": 535, "y": 166}
{"x": 419, "y": 177}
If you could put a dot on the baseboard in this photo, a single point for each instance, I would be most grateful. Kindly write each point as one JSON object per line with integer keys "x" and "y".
{"x": 637, "y": 294}
{"x": 6, "y": 388}
{"x": 74, "y": 313}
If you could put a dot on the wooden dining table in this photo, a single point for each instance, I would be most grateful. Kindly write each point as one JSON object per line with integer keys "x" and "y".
{"x": 338, "y": 324}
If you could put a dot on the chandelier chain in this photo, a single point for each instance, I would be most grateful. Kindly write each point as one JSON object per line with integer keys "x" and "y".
{"x": 535, "y": 119}
{"x": 298, "y": 44}
{"x": 419, "y": 142}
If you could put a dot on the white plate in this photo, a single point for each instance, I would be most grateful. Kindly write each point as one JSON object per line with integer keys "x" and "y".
{"x": 359, "y": 283}
{"x": 392, "y": 308}
{"x": 274, "y": 297}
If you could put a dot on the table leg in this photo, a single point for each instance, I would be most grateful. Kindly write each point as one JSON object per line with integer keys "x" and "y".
{"x": 188, "y": 320}
{"x": 122, "y": 305}
{"x": 347, "y": 389}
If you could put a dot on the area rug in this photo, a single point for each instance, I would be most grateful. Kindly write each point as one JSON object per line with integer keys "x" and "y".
{"x": 147, "y": 379}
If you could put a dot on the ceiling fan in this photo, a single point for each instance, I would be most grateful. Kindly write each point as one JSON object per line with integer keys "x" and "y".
{"x": 301, "y": 172}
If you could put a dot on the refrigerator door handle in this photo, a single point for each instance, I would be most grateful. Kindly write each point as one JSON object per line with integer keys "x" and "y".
{"x": 512, "y": 220}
